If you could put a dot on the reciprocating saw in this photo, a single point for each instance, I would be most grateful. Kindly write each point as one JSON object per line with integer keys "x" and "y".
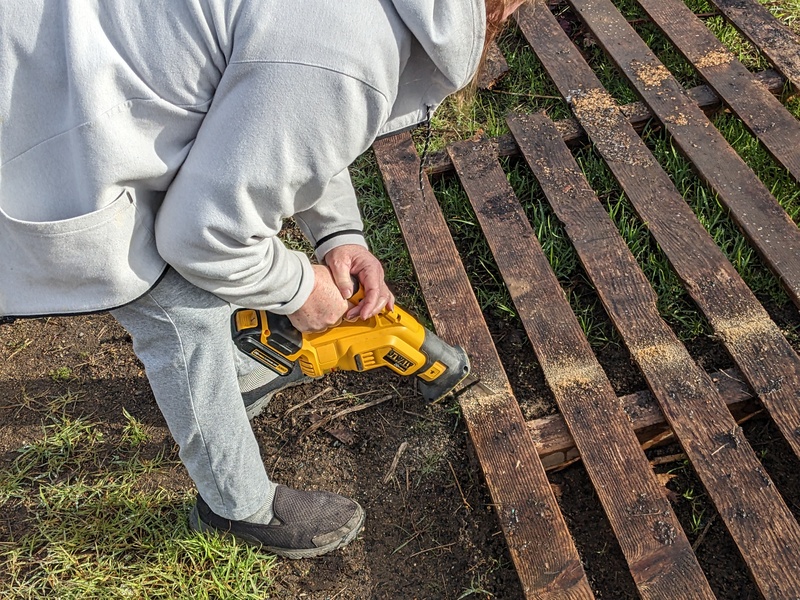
{"x": 392, "y": 339}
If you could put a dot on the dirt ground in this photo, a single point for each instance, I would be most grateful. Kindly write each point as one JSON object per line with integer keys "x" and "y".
{"x": 431, "y": 529}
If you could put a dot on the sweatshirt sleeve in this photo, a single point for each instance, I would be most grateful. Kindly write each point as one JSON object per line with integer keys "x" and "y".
{"x": 334, "y": 220}
{"x": 276, "y": 142}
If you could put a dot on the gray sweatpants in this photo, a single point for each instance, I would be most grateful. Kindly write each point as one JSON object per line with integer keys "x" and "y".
{"x": 182, "y": 335}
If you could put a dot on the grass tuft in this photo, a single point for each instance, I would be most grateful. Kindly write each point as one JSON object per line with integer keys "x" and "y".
{"x": 92, "y": 522}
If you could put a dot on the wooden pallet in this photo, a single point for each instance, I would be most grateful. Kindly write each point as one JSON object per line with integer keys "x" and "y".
{"x": 698, "y": 409}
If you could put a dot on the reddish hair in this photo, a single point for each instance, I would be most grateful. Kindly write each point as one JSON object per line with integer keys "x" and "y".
{"x": 495, "y": 23}
{"x": 495, "y": 9}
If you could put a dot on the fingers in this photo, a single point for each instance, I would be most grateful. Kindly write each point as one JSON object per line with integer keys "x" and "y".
{"x": 348, "y": 260}
{"x": 340, "y": 267}
{"x": 376, "y": 295}
{"x": 325, "y": 306}
{"x": 370, "y": 274}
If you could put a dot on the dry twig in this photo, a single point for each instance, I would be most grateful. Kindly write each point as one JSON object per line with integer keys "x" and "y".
{"x": 309, "y": 401}
{"x": 702, "y": 536}
{"x": 458, "y": 485}
{"x": 342, "y": 413}
{"x": 432, "y": 549}
{"x": 665, "y": 460}
{"x": 395, "y": 462}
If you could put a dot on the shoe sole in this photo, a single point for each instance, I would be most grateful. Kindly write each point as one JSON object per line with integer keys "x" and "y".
{"x": 196, "y": 524}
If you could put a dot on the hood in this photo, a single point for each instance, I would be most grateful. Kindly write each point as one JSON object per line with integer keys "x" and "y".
{"x": 446, "y": 47}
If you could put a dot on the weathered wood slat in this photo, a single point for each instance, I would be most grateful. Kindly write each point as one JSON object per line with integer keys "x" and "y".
{"x": 637, "y": 112}
{"x": 541, "y": 547}
{"x": 756, "y": 516}
{"x": 555, "y": 444}
{"x": 494, "y": 67}
{"x": 760, "y": 111}
{"x": 658, "y": 553}
{"x": 773, "y": 38}
{"x": 763, "y": 355}
{"x": 762, "y": 220}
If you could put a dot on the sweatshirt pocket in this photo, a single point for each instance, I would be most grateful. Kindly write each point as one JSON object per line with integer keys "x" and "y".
{"x": 91, "y": 262}
{"x": 111, "y": 211}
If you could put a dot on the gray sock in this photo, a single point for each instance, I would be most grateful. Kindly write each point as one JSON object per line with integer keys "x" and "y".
{"x": 256, "y": 377}
{"x": 264, "y": 514}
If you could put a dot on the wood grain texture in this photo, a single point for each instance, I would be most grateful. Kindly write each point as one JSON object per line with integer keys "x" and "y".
{"x": 659, "y": 555}
{"x": 762, "y": 113}
{"x": 551, "y": 434}
{"x": 758, "y": 347}
{"x": 778, "y": 43}
{"x": 759, "y": 216}
{"x": 756, "y": 516}
{"x": 493, "y": 69}
{"x": 637, "y": 113}
{"x": 539, "y": 542}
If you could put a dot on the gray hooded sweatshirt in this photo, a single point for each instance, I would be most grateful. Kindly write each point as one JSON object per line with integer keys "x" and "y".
{"x": 139, "y": 134}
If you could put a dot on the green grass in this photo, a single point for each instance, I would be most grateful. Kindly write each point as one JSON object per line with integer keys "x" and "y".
{"x": 527, "y": 88}
{"x": 97, "y": 527}
{"x": 98, "y": 523}
{"x": 61, "y": 374}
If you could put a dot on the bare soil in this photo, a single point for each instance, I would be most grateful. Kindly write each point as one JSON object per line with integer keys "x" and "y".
{"x": 431, "y": 530}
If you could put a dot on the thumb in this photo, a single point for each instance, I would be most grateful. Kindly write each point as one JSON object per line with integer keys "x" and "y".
{"x": 343, "y": 281}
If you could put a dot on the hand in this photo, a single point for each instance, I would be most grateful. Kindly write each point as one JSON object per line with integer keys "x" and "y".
{"x": 325, "y": 306}
{"x": 352, "y": 259}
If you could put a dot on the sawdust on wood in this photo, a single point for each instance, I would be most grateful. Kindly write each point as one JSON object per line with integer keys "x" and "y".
{"x": 563, "y": 178}
{"x": 607, "y": 126}
{"x": 752, "y": 325}
{"x": 660, "y": 355}
{"x": 677, "y": 119}
{"x": 569, "y": 129}
{"x": 650, "y": 75}
{"x": 545, "y": 170}
{"x": 713, "y": 59}
{"x": 575, "y": 372}
{"x": 491, "y": 392}
{"x": 596, "y": 103}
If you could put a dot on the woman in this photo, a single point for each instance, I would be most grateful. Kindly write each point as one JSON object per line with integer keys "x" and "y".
{"x": 150, "y": 154}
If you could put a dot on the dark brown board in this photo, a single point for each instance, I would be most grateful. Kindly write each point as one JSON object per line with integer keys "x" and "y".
{"x": 762, "y": 220}
{"x": 760, "y": 111}
{"x": 555, "y": 445}
{"x": 637, "y": 112}
{"x": 774, "y": 39}
{"x": 659, "y": 555}
{"x": 755, "y": 343}
{"x": 493, "y": 68}
{"x": 756, "y": 516}
{"x": 540, "y": 544}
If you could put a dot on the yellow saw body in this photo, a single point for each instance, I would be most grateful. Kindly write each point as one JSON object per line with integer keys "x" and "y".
{"x": 393, "y": 339}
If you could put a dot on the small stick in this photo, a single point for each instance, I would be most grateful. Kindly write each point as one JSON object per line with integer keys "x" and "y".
{"x": 432, "y": 549}
{"x": 346, "y": 396}
{"x": 670, "y": 458}
{"x": 702, "y": 536}
{"x": 404, "y": 544}
{"x": 537, "y": 96}
{"x": 22, "y": 347}
{"x": 342, "y": 413}
{"x": 458, "y": 485}
{"x": 729, "y": 376}
{"x": 395, "y": 462}
{"x": 309, "y": 401}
